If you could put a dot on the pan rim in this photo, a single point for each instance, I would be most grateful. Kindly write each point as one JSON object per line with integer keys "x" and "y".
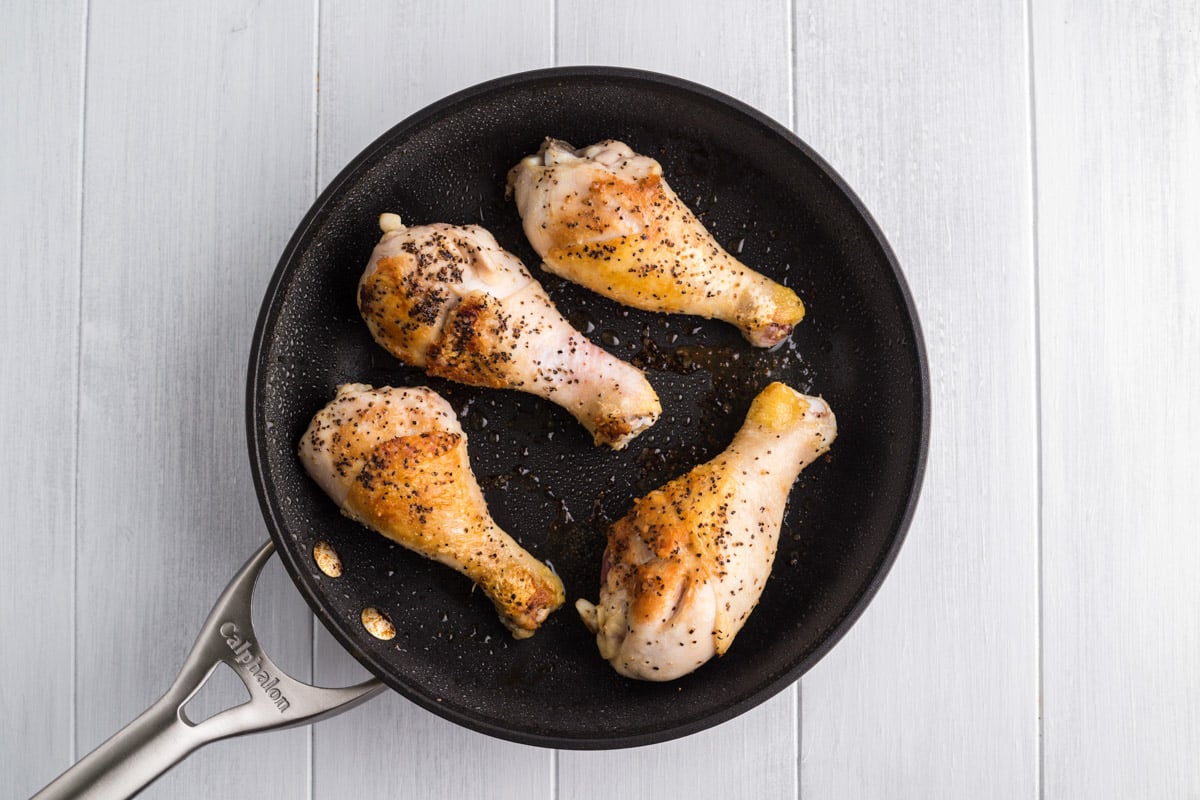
{"x": 257, "y": 435}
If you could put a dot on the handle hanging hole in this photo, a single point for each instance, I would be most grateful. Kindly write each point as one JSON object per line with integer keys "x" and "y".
{"x": 223, "y": 689}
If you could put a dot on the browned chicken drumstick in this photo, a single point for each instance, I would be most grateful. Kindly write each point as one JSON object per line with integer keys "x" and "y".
{"x": 686, "y": 566}
{"x": 604, "y": 217}
{"x": 450, "y": 300}
{"x": 396, "y": 461}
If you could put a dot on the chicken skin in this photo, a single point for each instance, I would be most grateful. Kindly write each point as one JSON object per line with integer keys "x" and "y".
{"x": 450, "y": 300}
{"x": 396, "y": 461}
{"x": 604, "y": 218}
{"x": 686, "y": 566}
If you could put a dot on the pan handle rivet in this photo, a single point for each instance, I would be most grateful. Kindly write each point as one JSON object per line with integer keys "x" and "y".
{"x": 377, "y": 624}
{"x": 328, "y": 560}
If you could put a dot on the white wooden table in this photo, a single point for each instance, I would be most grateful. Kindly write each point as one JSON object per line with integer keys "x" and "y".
{"x": 1036, "y": 166}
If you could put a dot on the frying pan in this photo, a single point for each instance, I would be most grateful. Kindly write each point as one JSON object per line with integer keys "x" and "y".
{"x": 768, "y": 198}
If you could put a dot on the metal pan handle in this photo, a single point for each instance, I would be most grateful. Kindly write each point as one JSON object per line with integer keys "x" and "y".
{"x": 163, "y": 735}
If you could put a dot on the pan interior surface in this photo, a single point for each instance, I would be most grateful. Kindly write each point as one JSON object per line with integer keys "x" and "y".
{"x": 769, "y": 200}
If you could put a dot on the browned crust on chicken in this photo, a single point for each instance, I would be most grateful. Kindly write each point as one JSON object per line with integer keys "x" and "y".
{"x": 588, "y": 216}
{"x": 415, "y": 489}
{"x": 466, "y": 351}
{"x": 683, "y": 525}
{"x": 613, "y": 428}
{"x": 400, "y": 311}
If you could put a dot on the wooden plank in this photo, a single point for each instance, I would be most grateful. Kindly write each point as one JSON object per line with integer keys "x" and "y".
{"x": 41, "y": 93}
{"x": 379, "y": 62}
{"x": 198, "y": 165}
{"x": 1118, "y": 119}
{"x": 742, "y": 52}
{"x": 391, "y": 747}
{"x": 923, "y": 108}
{"x": 747, "y": 56}
{"x": 375, "y": 70}
{"x": 750, "y": 756}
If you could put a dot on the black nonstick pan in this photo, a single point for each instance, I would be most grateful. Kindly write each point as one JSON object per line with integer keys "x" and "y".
{"x": 769, "y": 199}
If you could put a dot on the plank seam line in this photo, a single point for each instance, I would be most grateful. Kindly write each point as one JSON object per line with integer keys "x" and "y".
{"x": 797, "y": 762}
{"x": 310, "y": 737}
{"x": 1037, "y": 387}
{"x": 793, "y": 84}
{"x": 793, "y": 77}
{"x": 82, "y": 154}
{"x": 316, "y": 100}
{"x": 554, "y": 33}
{"x": 555, "y": 788}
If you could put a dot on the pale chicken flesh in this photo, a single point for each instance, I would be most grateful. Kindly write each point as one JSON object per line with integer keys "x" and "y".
{"x": 685, "y": 567}
{"x": 604, "y": 217}
{"x": 451, "y": 301}
{"x": 396, "y": 461}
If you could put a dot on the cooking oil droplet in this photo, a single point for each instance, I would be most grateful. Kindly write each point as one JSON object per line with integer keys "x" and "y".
{"x": 581, "y": 321}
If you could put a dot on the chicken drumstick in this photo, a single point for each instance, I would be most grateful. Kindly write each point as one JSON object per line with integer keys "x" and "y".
{"x": 604, "y": 218}
{"x": 448, "y": 299}
{"x": 396, "y": 461}
{"x": 686, "y": 566}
